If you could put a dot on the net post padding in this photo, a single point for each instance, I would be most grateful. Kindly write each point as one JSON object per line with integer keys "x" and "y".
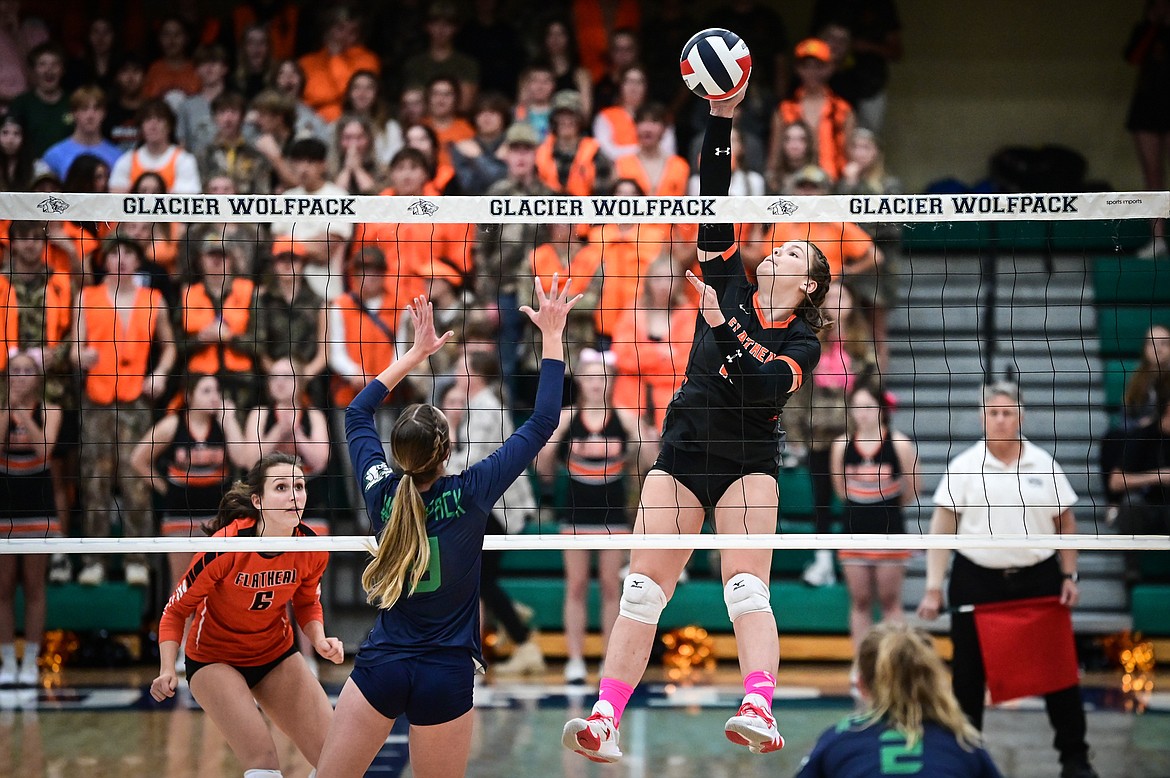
{"x": 555, "y": 542}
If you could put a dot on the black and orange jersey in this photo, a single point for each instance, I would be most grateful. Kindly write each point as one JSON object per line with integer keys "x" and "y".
{"x": 739, "y": 374}
{"x": 197, "y": 471}
{"x": 239, "y": 601}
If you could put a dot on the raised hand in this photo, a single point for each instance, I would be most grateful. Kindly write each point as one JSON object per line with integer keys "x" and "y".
{"x": 552, "y": 308}
{"x": 708, "y": 301}
{"x": 426, "y": 340}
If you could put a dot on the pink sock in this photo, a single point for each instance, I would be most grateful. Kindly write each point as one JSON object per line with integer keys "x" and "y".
{"x": 762, "y": 684}
{"x": 615, "y": 694}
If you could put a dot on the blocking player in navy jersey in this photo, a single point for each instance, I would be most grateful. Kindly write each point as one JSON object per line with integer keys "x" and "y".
{"x": 424, "y": 650}
{"x": 913, "y": 724}
{"x": 753, "y": 346}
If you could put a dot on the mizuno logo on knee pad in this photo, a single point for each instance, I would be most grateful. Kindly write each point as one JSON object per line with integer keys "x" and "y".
{"x": 642, "y": 600}
{"x": 745, "y": 593}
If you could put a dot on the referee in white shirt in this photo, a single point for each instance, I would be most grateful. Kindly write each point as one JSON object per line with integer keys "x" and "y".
{"x": 1005, "y": 485}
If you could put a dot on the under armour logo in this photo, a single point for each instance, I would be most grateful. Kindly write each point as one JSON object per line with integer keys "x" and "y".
{"x": 734, "y": 356}
{"x": 782, "y": 207}
{"x": 422, "y": 208}
{"x": 723, "y": 152}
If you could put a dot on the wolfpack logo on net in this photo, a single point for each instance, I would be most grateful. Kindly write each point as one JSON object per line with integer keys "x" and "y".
{"x": 783, "y": 207}
{"x": 53, "y": 204}
{"x": 423, "y": 208}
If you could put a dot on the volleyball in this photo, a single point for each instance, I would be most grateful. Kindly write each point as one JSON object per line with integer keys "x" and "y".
{"x": 715, "y": 64}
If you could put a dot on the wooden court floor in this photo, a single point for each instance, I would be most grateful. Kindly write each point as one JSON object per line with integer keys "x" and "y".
{"x": 102, "y": 723}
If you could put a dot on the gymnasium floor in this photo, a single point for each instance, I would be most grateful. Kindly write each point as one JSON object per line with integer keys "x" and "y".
{"x": 103, "y": 723}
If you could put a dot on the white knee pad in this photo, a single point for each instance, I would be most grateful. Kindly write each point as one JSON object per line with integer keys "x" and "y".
{"x": 745, "y": 593}
{"x": 642, "y": 599}
{"x": 263, "y": 773}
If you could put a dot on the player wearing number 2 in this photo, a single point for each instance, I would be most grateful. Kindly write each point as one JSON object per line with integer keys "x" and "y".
{"x": 753, "y": 345}
{"x": 421, "y": 656}
{"x": 240, "y": 646}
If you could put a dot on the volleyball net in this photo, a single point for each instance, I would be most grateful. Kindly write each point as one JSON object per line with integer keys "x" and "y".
{"x": 293, "y": 303}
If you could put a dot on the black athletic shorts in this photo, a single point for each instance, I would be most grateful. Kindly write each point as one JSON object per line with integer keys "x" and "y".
{"x": 707, "y": 476}
{"x": 253, "y": 674}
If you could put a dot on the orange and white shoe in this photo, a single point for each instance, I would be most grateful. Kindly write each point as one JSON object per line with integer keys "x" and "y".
{"x": 754, "y": 727}
{"x": 594, "y": 738}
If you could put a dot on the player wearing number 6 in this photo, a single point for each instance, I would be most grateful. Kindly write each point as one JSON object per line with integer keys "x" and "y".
{"x": 753, "y": 346}
{"x": 240, "y": 647}
{"x": 422, "y": 655}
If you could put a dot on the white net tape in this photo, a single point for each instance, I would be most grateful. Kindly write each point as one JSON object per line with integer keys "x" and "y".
{"x": 591, "y": 210}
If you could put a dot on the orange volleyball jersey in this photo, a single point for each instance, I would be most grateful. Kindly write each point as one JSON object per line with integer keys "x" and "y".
{"x": 239, "y": 601}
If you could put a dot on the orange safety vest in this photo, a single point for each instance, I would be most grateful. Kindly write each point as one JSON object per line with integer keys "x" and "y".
{"x": 828, "y": 129}
{"x": 123, "y": 349}
{"x": 8, "y": 319}
{"x": 166, "y": 172}
{"x": 366, "y": 343}
{"x": 326, "y": 77}
{"x": 592, "y": 35}
{"x": 282, "y": 29}
{"x": 582, "y": 171}
{"x": 674, "y": 175}
{"x": 236, "y": 312}
{"x": 625, "y": 131}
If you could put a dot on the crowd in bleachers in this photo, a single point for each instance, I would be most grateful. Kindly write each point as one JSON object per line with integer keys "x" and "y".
{"x": 288, "y": 320}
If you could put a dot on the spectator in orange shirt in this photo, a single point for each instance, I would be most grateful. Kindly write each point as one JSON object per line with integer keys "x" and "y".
{"x": 626, "y": 249}
{"x": 652, "y": 341}
{"x": 328, "y": 70}
{"x": 173, "y": 71}
{"x": 440, "y": 176}
{"x": 615, "y": 128}
{"x": 567, "y": 161}
{"x": 216, "y": 324}
{"x": 828, "y": 115}
{"x": 658, "y": 173}
{"x": 443, "y": 115}
{"x": 415, "y": 253}
{"x": 595, "y": 22}
{"x": 563, "y": 254}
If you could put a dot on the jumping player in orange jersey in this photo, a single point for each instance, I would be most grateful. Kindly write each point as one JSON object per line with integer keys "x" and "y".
{"x": 240, "y": 647}
{"x": 753, "y": 345}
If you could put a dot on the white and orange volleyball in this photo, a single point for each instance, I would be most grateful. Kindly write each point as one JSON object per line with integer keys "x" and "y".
{"x": 715, "y": 64}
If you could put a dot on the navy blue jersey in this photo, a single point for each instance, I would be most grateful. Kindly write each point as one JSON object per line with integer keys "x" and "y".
{"x": 853, "y": 750}
{"x": 739, "y": 374}
{"x": 443, "y": 612}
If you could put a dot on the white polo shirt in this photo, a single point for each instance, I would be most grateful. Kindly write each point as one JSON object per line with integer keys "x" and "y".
{"x": 993, "y": 498}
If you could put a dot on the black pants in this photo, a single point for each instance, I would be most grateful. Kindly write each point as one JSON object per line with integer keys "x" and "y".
{"x": 972, "y": 584}
{"x": 819, "y": 468}
{"x": 495, "y": 599}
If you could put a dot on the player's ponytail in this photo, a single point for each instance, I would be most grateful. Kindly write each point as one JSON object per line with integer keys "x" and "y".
{"x": 237, "y": 502}
{"x": 810, "y": 309}
{"x": 420, "y": 443}
{"x": 908, "y": 685}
